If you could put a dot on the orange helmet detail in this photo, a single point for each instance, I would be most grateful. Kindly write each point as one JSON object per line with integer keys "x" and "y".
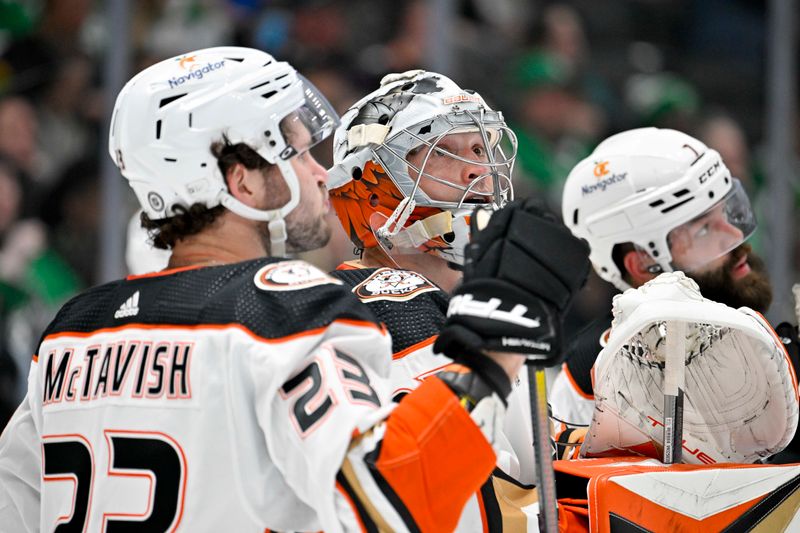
{"x": 373, "y": 192}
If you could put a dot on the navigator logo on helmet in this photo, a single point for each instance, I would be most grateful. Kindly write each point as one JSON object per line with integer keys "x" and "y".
{"x": 378, "y": 192}
{"x": 671, "y": 194}
{"x": 162, "y": 130}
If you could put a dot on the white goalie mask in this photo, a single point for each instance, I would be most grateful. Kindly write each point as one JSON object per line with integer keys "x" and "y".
{"x": 664, "y": 192}
{"x": 740, "y": 395}
{"x": 167, "y": 117}
{"x": 390, "y": 150}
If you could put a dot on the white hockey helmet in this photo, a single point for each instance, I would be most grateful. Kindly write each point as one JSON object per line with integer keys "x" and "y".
{"x": 654, "y": 188}
{"x": 167, "y": 117}
{"x": 378, "y": 202}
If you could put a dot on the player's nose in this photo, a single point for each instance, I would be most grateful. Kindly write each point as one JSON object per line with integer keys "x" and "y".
{"x": 318, "y": 171}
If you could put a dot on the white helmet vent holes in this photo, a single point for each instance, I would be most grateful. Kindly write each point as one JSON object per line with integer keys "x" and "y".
{"x": 170, "y": 99}
{"x": 158, "y": 129}
{"x": 259, "y": 85}
{"x": 677, "y": 205}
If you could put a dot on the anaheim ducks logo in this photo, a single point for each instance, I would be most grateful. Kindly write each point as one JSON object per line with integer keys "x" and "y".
{"x": 291, "y": 276}
{"x": 390, "y": 284}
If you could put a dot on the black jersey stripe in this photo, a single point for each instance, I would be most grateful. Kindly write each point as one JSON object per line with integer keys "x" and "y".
{"x": 360, "y": 510}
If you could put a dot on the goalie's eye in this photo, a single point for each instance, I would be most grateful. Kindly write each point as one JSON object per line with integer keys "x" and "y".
{"x": 702, "y": 231}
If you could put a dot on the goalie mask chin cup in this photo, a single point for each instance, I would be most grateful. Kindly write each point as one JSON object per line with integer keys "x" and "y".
{"x": 167, "y": 117}
{"x": 740, "y": 396}
{"x": 649, "y": 187}
{"x": 383, "y": 159}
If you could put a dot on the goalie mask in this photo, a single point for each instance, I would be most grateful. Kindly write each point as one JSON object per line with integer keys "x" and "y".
{"x": 740, "y": 395}
{"x": 661, "y": 190}
{"x": 412, "y": 159}
{"x": 167, "y": 117}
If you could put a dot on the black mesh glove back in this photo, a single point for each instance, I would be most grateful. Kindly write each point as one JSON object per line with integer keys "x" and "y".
{"x": 520, "y": 274}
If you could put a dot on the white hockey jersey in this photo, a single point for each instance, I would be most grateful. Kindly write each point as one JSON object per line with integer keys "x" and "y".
{"x": 244, "y": 397}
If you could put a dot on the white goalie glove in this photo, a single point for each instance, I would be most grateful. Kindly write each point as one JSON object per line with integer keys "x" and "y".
{"x": 741, "y": 400}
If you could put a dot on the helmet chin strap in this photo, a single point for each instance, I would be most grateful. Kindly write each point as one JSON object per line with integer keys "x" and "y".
{"x": 277, "y": 238}
{"x": 275, "y": 218}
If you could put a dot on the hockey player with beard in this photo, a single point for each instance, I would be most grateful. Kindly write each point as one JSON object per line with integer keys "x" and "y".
{"x": 649, "y": 201}
{"x": 238, "y": 390}
{"x": 412, "y": 160}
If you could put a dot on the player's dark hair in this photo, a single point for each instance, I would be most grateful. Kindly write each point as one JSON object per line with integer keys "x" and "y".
{"x": 165, "y": 232}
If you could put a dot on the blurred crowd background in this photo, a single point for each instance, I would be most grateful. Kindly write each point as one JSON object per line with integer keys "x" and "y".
{"x": 566, "y": 75}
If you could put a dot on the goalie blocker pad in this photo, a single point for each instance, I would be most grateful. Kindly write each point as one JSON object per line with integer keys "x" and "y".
{"x": 741, "y": 400}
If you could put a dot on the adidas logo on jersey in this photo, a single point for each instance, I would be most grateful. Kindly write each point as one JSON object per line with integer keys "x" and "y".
{"x": 129, "y": 308}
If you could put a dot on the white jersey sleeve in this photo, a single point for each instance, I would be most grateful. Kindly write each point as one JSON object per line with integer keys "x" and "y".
{"x": 568, "y": 403}
{"x": 20, "y": 467}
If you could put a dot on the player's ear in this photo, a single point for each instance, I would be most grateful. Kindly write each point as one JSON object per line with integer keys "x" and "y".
{"x": 640, "y": 267}
{"x": 243, "y": 184}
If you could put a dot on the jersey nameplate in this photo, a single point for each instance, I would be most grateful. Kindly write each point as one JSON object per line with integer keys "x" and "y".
{"x": 390, "y": 284}
{"x": 291, "y": 276}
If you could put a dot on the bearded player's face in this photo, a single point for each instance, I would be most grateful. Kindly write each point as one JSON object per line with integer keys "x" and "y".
{"x": 738, "y": 278}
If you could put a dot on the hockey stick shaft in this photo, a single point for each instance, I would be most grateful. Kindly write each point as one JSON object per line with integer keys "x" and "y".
{"x": 674, "y": 378}
{"x": 545, "y": 476}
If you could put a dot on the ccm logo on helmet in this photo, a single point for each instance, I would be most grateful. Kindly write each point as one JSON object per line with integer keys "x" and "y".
{"x": 709, "y": 172}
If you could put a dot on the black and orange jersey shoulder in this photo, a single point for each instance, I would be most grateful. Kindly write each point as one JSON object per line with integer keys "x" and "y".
{"x": 412, "y": 307}
{"x": 271, "y": 298}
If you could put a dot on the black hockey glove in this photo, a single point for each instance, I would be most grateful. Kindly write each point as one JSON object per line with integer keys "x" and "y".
{"x": 520, "y": 274}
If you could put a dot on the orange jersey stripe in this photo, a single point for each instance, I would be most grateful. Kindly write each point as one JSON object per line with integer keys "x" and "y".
{"x": 165, "y": 272}
{"x": 432, "y": 447}
{"x": 351, "y": 504}
{"x": 220, "y": 327}
{"x": 414, "y": 347}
